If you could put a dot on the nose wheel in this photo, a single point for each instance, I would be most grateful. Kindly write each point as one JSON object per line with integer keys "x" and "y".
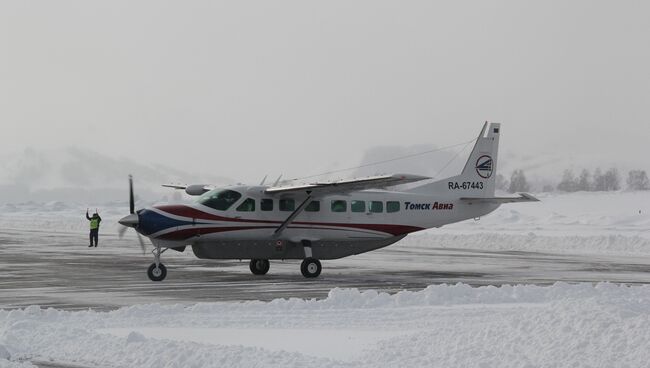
{"x": 310, "y": 267}
{"x": 157, "y": 272}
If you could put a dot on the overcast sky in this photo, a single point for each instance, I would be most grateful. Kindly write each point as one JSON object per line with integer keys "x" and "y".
{"x": 245, "y": 88}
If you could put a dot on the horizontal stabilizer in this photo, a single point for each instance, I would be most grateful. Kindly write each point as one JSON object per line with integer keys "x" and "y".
{"x": 523, "y": 197}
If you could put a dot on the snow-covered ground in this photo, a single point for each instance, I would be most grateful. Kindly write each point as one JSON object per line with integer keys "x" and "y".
{"x": 563, "y": 325}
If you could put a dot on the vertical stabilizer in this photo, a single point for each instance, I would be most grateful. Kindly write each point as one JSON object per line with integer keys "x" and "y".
{"x": 478, "y": 178}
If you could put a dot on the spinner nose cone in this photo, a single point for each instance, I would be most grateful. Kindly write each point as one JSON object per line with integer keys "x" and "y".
{"x": 131, "y": 220}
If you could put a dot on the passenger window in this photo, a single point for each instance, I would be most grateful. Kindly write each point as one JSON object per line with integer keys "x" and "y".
{"x": 376, "y": 207}
{"x": 266, "y": 204}
{"x": 219, "y": 199}
{"x": 287, "y": 205}
{"x": 247, "y": 206}
{"x": 358, "y": 206}
{"x": 313, "y": 206}
{"x": 339, "y": 206}
{"x": 392, "y": 206}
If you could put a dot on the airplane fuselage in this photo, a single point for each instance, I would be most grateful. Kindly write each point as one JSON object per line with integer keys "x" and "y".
{"x": 336, "y": 225}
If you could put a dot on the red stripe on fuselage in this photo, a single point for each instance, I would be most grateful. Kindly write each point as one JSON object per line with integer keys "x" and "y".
{"x": 185, "y": 211}
{"x": 189, "y": 233}
{"x": 185, "y": 234}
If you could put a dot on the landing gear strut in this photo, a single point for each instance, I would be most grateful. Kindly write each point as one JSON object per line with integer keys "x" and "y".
{"x": 260, "y": 266}
{"x": 157, "y": 271}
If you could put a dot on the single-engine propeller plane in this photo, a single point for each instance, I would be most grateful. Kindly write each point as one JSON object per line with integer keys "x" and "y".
{"x": 321, "y": 220}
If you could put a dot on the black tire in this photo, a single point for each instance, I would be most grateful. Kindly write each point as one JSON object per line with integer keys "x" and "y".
{"x": 260, "y": 266}
{"x": 157, "y": 274}
{"x": 310, "y": 268}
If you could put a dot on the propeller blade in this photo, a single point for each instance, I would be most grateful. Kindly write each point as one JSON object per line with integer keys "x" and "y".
{"x": 121, "y": 230}
{"x": 144, "y": 249}
{"x": 131, "y": 199}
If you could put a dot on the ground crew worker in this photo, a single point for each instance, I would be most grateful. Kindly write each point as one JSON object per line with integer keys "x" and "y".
{"x": 94, "y": 227}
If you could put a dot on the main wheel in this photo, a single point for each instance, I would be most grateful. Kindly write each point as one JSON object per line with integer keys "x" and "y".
{"x": 157, "y": 273}
{"x": 260, "y": 266}
{"x": 311, "y": 267}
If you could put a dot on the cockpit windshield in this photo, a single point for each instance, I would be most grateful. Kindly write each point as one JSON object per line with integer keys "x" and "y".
{"x": 219, "y": 199}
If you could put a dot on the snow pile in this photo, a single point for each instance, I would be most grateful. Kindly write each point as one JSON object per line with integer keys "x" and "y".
{"x": 580, "y": 213}
{"x": 583, "y": 222}
{"x": 613, "y": 244}
{"x": 444, "y": 325}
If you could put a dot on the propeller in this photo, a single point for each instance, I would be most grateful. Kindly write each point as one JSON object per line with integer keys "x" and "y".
{"x": 131, "y": 220}
{"x": 131, "y": 198}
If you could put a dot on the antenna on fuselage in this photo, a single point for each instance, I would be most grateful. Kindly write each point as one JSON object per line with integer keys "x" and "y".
{"x": 277, "y": 180}
{"x": 263, "y": 180}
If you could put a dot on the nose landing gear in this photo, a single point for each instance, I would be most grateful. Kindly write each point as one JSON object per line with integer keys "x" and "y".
{"x": 157, "y": 271}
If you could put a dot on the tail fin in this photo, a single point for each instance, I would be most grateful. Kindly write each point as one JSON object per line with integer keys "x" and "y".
{"x": 478, "y": 178}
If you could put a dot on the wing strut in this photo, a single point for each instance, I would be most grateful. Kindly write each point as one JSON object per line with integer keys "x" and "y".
{"x": 293, "y": 215}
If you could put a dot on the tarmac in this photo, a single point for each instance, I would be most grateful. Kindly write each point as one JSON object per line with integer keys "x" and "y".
{"x": 58, "y": 270}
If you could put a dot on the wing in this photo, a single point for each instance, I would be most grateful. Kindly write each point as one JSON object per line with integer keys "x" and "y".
{"x": 350, "y": 185}
{"x": 523, "y": 197}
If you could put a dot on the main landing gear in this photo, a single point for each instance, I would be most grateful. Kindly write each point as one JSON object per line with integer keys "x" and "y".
{"x": 157, "y": 271}
{"x": 310, "y": 267}
{"x": 260, "y": 266}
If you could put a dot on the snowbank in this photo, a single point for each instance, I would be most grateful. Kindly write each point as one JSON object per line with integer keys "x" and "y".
{"x": 580, "y": 213}
{"x": 444, "y": 325}
{"x": 612, "y": 244}
{"x": 596, "y": 222}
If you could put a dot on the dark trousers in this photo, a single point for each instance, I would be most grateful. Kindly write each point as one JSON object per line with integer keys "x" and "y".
{"x": 94, "y": 234}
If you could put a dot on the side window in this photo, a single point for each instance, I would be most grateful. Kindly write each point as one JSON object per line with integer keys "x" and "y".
{"x": 339, "y": 206}
{"x": 358, "y": 206}
{"x": 313, "y": 206}
{"x": 247, "y": 206}
{"x": 287, "y": 204}
{"x": 392, "y": 206}
{"x": 376, "y": 207}
{"x": 266, "y": 204}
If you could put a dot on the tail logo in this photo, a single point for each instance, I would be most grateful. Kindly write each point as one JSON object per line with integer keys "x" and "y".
{"x": 484, "y": 166}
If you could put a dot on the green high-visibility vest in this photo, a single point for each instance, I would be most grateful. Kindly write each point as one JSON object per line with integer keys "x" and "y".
{"x": 94, "y": 223}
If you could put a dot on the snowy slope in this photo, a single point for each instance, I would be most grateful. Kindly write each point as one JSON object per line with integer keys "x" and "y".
{"x": 442, "y": 326}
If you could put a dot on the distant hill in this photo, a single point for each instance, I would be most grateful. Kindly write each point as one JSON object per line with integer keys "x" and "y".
{"x": 84, "y": 176}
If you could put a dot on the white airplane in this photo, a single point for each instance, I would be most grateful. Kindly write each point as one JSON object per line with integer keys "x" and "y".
{"x": 321, "y": 220}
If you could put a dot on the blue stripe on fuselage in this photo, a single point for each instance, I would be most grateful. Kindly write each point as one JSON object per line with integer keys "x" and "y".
{"x": 150, "y": 222}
